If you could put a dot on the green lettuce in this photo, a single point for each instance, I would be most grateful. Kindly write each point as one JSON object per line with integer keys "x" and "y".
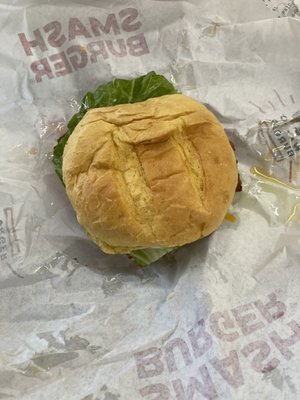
{"x": 144, "y": 257}
{"x": 119, "y": 91}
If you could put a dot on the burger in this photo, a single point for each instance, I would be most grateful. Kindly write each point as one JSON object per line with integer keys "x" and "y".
{"x": 146, "y": 176}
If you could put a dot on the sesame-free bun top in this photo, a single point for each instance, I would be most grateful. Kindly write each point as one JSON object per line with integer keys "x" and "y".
{"x": 152, "y": 174}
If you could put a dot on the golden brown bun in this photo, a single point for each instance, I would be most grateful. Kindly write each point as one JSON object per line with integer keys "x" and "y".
{"x": 150, "y": 174}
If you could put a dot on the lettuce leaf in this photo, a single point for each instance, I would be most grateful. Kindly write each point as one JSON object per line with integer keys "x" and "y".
{"x": 144, "y": 257}
{"x": 119, "y": 91}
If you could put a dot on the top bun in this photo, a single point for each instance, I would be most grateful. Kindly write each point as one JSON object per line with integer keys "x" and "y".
{"x": 160, "y": 173}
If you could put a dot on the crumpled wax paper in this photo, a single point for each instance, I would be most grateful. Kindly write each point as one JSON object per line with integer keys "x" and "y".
{"x": 217, "y": 319}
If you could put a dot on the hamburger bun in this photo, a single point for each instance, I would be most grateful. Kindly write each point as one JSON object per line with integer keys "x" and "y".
{"x": 160, "y": 173}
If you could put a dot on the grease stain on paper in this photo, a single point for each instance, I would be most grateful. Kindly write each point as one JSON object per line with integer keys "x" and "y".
{"x": 33, "y": 151}
{"x": 73, "y": 343}
{"x": 107, "y": 395}
{"x": 48, "y": 361}
{"x": 41, "y": 363}
{"x": 68, "y": 350}
{"x": 278, "y": 380}
{"x": 260, "y": 172}
{"x": 111, "y": 396}
{"x": 214, "y": 29}
{"x": 211, "y": 30}
{"x": 89, "y": 397}
{"x": 33, "y": 371}
{"x": 290, "y": 384}
{"x": 271, "y": 184}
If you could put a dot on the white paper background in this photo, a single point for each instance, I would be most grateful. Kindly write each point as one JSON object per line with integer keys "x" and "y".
{"x": 72, "y": 318}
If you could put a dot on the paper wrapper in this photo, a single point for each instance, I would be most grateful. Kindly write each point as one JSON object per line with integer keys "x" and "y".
{"x": 217, "y": 319}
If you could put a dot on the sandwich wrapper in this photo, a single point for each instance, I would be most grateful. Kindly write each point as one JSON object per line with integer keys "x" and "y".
{"x": 216, "y": 319}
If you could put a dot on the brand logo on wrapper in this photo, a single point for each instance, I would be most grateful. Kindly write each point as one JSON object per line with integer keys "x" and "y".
{"x": 116, "y": 35}
{"x": 8, "y": 237}
{"x": 263, "y": 355}
{"x": 283, "y": 8}
{"x": 277, "y": 137}
{"x": 283, "y": 136}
